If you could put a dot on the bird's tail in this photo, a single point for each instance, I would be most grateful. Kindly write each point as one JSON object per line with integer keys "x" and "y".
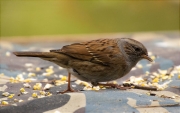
{"x": 58, "y": 58}
{"x": 35, "y": 54}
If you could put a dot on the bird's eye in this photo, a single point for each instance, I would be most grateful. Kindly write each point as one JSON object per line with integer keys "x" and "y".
{"x": 137, "y": 49}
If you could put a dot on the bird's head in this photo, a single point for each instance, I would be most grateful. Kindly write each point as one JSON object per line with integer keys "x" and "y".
{"x": 134, "y": 49}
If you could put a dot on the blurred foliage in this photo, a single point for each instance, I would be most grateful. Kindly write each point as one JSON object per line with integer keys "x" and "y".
{"x": 50, "y": 17}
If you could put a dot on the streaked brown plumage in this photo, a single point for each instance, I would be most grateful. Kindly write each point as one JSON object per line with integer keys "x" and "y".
{"x": 97, "y": 60}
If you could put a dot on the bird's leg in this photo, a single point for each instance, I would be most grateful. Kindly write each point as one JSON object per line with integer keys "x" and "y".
{"x": 69, "y": 89}
{"x": 114, "y": 86}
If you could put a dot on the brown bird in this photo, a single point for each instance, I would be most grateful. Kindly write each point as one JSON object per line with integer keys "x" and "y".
{"x": 95, "y": 61}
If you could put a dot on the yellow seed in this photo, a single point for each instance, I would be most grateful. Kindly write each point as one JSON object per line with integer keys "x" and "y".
{"x": 4, "y": 103}
{"x": 165, "y": 77}
{"x": 49, "y": 70}
{"x": 37, "y": 86}
{"x": 20, "y": 100}
{"x": 153, "y": 57}
{"x": 48, "y": 94}
{"x": 64, "y": 78}
{"x": 5, "y": 94}
{"x": 59, "y": 82}
{"x": 11, "y": 79}
{"x": 38, "y": 69}
{"x": 179, "y": 76}
{"x": 34, "y": 95}
{"x": 16, "y": 100}
{"x": 2, "y": 74}
{"x": 31, "y": 75}
{"x": 11, "y": 96}
{"x": 155, "y": 80}
{"x": 96, "y": 88}
{"x": 148, "y": 93}
{"x": 169, "y": 77}
{"x": 101, "y": 86}
{"x": 114, "y": 82}
{"x": 42, "y": 92}
{"x": 22, "y": 90}
{"x": 147, "y": 72}
{"x": 85, "y": 83}
{"x": 27, "y": 80}
{"x": 142, "y": 84}
{"x": 139, "y": 66}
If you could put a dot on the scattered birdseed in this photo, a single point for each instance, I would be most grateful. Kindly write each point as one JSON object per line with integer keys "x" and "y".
{"x": 19, "y": 77}
{"x": 64, "y": 78}
{"x": 149, "y": 65}
{"x": 26, "y": 85}
{"x": 21, "y": 100}
{"x": 73, "y": 85}
{"x": 59, "y": 82}
{"x": 49, "y": 70}
{"x": 34, "y": 95}
{"x": 2, "y": 74}
{"x": 149, "y": 53}
{"x": 5, "y": 94}
{"x": 133, "y": 69}
{"x": 47, "y": 86}
{"x": 28, "y": 64}
{"x": 48, "y": 94}
{"x": 139, "y": 65}
{"x": 86, "y": 84}
{"x": 13, "y": 80}
{"x": 155, "y": 80}
{"x": 41, "y": 96}
{"x": 4, "y": 103}
{"x": 165, "y": 77}
{"x": 38, "y": 69}
{"x": 30, "y": 69}
{"x": 23, "y": 73}
{"x": 96, "y": 88}
{"x": 27, "y": 80}
{"x": 153, "y": 57}
{"x": 51, "y": 67}
{"x": 47, "y": 74}
{"x": 37, "y": 86}
{"x": 22, "y": 90}
{"x": 60, "y": 68}
{"x": 11, "y": 96}
{"x": 42, "y": 92}
{"x": 45, "y": 80}
{"x": 87, "y": 88}
{"x": 31, "y": 75}
{"x": 163, "y": 72}
{"x": 114, "y": 82}
{"x": 16, "y": 100}
{"x": 179, "y": 76}
{"x": 8, "y": 54}
{"x": 173, "y": 97}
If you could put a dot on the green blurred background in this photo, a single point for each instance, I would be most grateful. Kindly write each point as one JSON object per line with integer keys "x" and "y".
{"x": 50, "y": 17}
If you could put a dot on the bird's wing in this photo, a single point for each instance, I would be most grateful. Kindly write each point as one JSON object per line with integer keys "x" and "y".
{"x": 96, "y": 51}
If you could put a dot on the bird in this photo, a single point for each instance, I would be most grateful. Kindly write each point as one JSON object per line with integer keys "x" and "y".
{"x": 95, "y": 61}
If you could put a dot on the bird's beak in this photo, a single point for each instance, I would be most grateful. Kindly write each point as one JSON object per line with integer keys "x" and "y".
{"x": 147, "y": 57}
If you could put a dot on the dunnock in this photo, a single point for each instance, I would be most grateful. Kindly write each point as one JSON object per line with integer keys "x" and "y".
{"x": 95, "y": 61}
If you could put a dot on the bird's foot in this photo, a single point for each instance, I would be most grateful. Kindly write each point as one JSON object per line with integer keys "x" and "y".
{"x": 115, "y": 86}
{"x": 121, "y": 87}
